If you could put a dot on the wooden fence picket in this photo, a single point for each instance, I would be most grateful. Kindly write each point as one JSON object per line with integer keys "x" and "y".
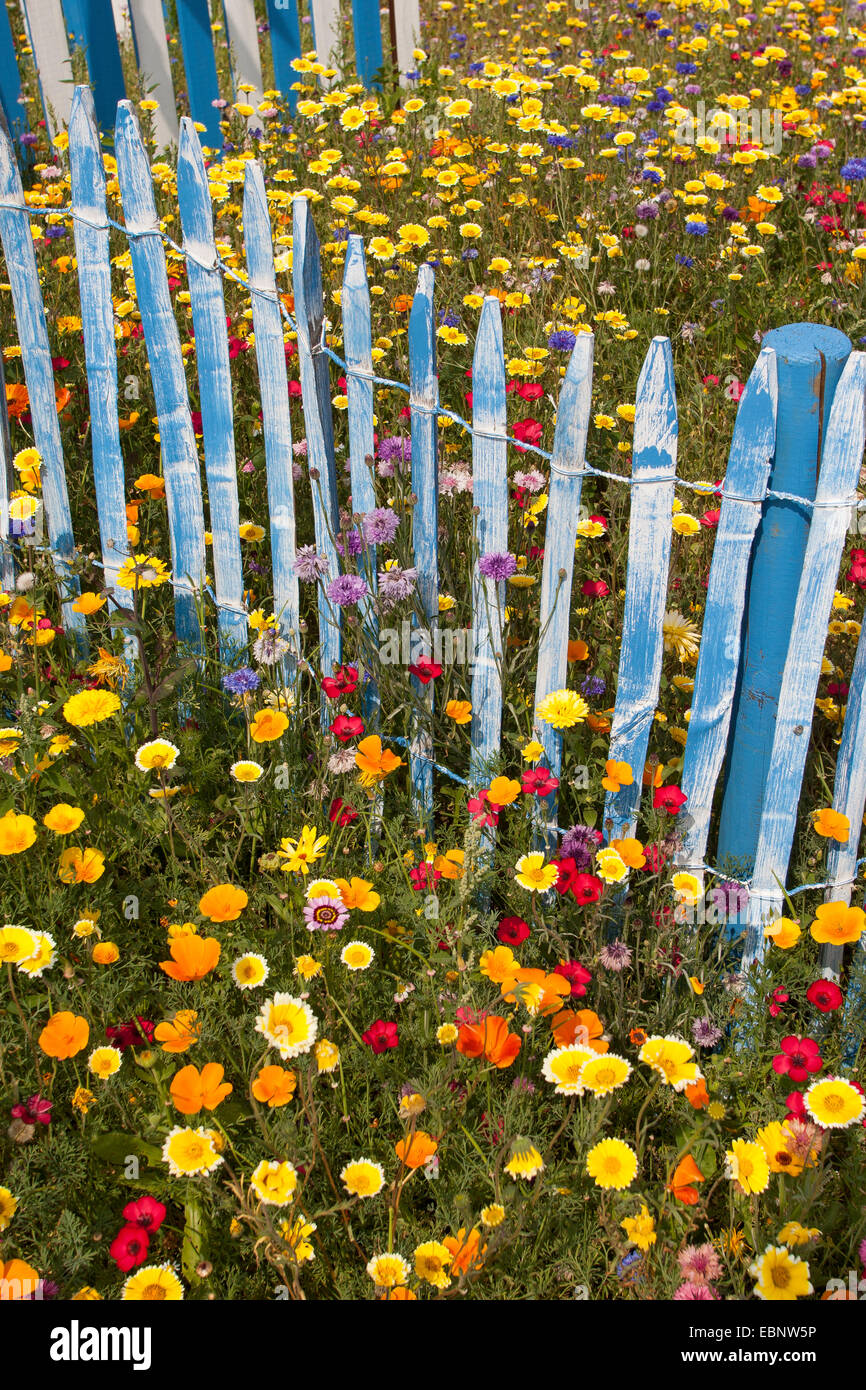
{"x": 318, "y": 424}
{"x": 407, "y": 32}
{"x": 47, "y": 35}
{"x": 91, "y": 231}
{"x": 840, "y": 470}
{"x": 154, "y": 65}
{"x": 180, "y": 459}
{"x": 243, "y": 39}
{"x": 649, "y": 547}
{"x": 490, "y": 497}
{"x": 92, "y": 26}
{"x": 23, "y": 276}
{"x": 7, "y": 559}
{"x": 285, "y": 34}
{"x": 566, "y": 481}
{"x": 367, "y": 26}
{"x": 721, "y": 640}
{"x": 215, "y": 389}
{"x": 276, "y": 417}
{"x": 10, "y": 82}
{"x": 326, "y": 30}
{"x": 423, "y": 407}
{"x": 357, "y": 345}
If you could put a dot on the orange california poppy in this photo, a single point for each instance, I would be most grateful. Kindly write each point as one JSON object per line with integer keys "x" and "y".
{"x": 17, "y": 399}
{"x": 193, "y": 957}
{"x": 64, "y": 1035}
{"x": 681, "y": 1184}
{"x": 697, "y": 1094}
{"x": 224, "y": 903}
{"x": 375, "y": 762}
{"x": 467, "y": 1250}
{"x": 489, "y": 1039}
{"x": 18, "y": 1279}
{"x": 274, "y": 1086}
{"x": 62, "y": 397}
{"x": 193, "y": 1090}
{"x": 577, "y": 650}
{"x": 417, "y": 1149}
{"x": 178, "y": 1033}
{"x": 522, "y": 985}
{"x": 403, "y": 303}
{"x": 152, "y": 484}
{"x": 580, "y": 1027}
{"x": 598, "y": 723}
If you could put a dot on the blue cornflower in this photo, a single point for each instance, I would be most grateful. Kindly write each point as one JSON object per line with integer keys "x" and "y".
{"x": 562, "y": 340}
{"x": 449, "y": 318}
{"x": 240, "y": 682}
{"x": 683, "y": 260}
{"x": 470, "y": 254}
{"x": 650, "y": 176}
{"x": 854, "y": 170}
{"x": 697, "y": 228}
{"x": 686, "y": 69}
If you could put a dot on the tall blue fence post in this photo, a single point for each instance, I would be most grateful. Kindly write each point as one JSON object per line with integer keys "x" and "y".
{"x": 10, "y": 85}
{"x": 199, "y": 62}
{"x": 285, "y": 46}
{"x": 367, "y": 24}
{"x": 91, "y": 23}
{"x": 809, "y": 359}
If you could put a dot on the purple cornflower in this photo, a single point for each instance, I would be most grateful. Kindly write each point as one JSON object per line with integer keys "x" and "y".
{"x": 729, "y": 898}
{"x": 395, "y": 446}
{"x": 308, "y": 565}
{"x": 240, "y": 682}
{"x": 699, "y": 1264}
{"x": 580, "y": 843}
{"x": 347, "y": 589}
{"x": 562, "y": 340}
{"x": 394, "y": 585}
{"x": 497, "y": 566}
{"x": 269, "y": 647}
{"x": 354, "y": 545}
{"x": 646, "y": 212}
{"x": 325, "y": 914}
{"x": 615, "y": 956}
{"x": 705, "y": 1032}
{"x": 523, "y": 1083}
{"x": 854, "y": 170}
{"x": 380, "y": 526}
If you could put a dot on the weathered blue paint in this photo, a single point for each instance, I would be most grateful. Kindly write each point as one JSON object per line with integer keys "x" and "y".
{"x": 721, "y": 629}
{"x": 39, "y": 375}
{"x": 423, "y": 405}
{"x": 276, "y": 420}
{"x": 199, "y": 61}
{"x": 180, "y": 460}
{"x": 840, "y": 470}
{"x": 318, "y": 424}
{"x": 285, "y": 46}
{"x": 215, "y": 389}
{"x": 7, "y": 548}
{"x": 367, "y": 22}
{"x": 91, "y": 23}
{"x": 357, "y": 345}
{"x": 490, "y": 497}
{"x": 90, "y": 228}
{"x": 809, "y": 360}
{"x": 563, "y": 510}
{"x": 649, "y": 547}
{"x": 10, "y": 85}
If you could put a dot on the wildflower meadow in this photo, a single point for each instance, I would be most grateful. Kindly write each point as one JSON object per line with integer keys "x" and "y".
{"x": 273, "y": 1025}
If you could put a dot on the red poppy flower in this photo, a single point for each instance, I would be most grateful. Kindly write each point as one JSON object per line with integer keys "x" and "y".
{"x": 655, "y": 858}
{"x": 346, "y": 727}
{"x": 825, "y": 995}
{"x": 586, "y": 888}
{"x": 857, "y": 572}
{"x": 577, "y": 975}
{"x": 129, "y": 1247}
{"x": 480, "y": 809}
{"x": 669, "y": 799}
{"x": 528, "y": 431}
{"x": 530, "y": 391}
{"x": 512, "y": 931}
{"x": 340, "y": 812}
{"x": 798, "y": 1059}
{"x": 146, "y": 1212}
{"x": 594, "y": 588}
{"x": 381, "y": 1035}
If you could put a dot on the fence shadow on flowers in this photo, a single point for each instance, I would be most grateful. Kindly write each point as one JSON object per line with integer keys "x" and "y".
{"x": 804, "y": 400}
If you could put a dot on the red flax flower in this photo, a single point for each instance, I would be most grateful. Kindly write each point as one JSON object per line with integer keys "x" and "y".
{"x": 146, "y": 1212}
{"x": 539, "y": 781}
{"x": 425, "y": 670}
{"x": 343, "y": 682}
{"x": 490, "y": 1040}
{"x": 594, "y": 588}
{"x": 481, "y": 810}
{"x": 825, "y": 995}
{"x": 129, "y": 1247}
{"x": 381, "y": 1035}
{"x": 577, "y": 975}
{"x": 798, "y": 1058}
{"x": 586, "y": 888}
{"x": 669, "y": 799}
{"x": 512, "y": 931}
{"x": 346, "y": 727}
{"x": 528, "y": 431}
{"x": 340, "y": 812}
{"x": 857, "y": 572}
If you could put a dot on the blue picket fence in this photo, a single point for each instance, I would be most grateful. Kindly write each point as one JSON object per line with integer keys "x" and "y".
{"x": 791, "y": 385}
{"x": 188, "y": 62}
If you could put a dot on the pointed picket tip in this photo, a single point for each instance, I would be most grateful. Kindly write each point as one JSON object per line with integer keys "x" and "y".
{"x": 82, "y": 117}
{"x": 847, "y": 426}
{"x": 188, "y": 144}
{"x": 304, "y": 235}
{"x": 355, "y": 267}
{"x": 489, "y": 336}
{"x": 655, "y": 421}
{"x": 423, "y": 296}
{"x": 573, "y": 408}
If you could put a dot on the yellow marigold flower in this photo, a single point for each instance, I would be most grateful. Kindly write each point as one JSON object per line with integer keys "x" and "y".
{"x": 610, "y": 865}
{"x": 792, "y": 1233}
{"x": 388, "y": 1271}
{"x": 834, "y": 1103}
{"x": 525, "y": 1160}
{"x": 780, "y": 1276}
{"x": 562, "y": 709}
{"x": 156, "y": 756}
{"x": 274, "y": 1183}
{"x": 612, "y": 1164}
{"x": 90, "y": 707}
{"x": 307, "y": 967}
{"x": 327, "y": 1055}
{"x": 153, "y": 1282}
{"x": 104, "y": 1062}
{"x": 563, "y": 1067}
{"x": 363, "y": 1178}
{"x": 431, "y": 1259}
{"x": 190, "y": 1151}
{"x": 747, "y": 1166}
{"x": 534, "y": 875}
{"x": 671, "y": 1058}
{"x": 640, "y": 1229}
{"x": 604, "y": 1072}
{"x": 493, "y": 1216}
{"x": 17, "y": 944}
